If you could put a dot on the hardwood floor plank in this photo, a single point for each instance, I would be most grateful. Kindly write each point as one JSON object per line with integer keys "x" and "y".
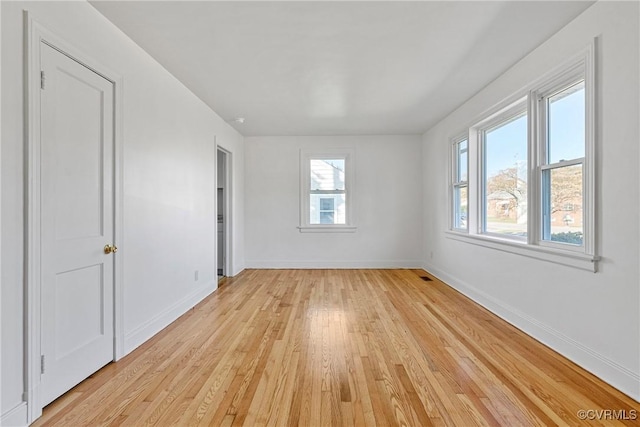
{"x": 338, "y": 347}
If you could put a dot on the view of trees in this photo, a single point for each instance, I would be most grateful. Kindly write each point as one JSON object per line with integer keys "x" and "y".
{"x": 507, "y": 181}
{"x": 566, "y": 186}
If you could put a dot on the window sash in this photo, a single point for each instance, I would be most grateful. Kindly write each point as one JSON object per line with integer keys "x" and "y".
{"x": 457, "y": 207}
{"x": 325, "y": 164}
{"x": 542, "y": 96}
{"x": 546, "y": 203}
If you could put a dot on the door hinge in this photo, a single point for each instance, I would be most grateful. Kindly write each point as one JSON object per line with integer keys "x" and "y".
{"x": 42, "y": 78}
{"x": 42, "y": 364}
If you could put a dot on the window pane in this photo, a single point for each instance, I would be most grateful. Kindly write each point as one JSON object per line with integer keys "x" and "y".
{"x": 505, "y": 184}
{"x": 460, "y": 207}
{"x": 562, "y": 205}
{"x": 327, "y": 174}
{"x": 327, "y": 218}
{"x": 327, "y": 208}
{"x": 462, "y": 161}
{"x": 566, "y": 126}
{"x": 326, "y": 204}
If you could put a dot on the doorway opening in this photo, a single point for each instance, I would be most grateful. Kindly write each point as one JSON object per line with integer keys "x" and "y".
{"x": 223, "y": 210}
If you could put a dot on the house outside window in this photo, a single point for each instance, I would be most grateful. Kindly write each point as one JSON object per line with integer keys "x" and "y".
{"x": 327, "y": 211}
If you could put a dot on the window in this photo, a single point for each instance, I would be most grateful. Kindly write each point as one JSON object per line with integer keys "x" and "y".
{"x": 504, "y": 181}
{"x": 326, "y": 200}
{"x": 532, "y": 189}
{"x": 563, "y": 153}
{"x": 459, "y": 183}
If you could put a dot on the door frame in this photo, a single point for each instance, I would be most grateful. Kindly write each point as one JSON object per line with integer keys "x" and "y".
{"x": 227, "y": 213}
{"x": 35, "y": 34}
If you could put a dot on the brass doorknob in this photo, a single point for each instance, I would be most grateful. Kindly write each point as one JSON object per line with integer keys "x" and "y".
{"x": 110, "y": 249}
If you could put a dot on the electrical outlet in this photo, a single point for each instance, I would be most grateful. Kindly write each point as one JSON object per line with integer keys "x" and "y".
{"x": 195, "y": 275}
{"x": 431, "y": 254}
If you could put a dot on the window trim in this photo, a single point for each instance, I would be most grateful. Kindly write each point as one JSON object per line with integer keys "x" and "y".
{"x": 580, "y": 66}
{"x": 348, "y": 154}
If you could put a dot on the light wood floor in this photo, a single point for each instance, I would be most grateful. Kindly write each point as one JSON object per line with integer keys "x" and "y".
{"x": 338, "y": 347}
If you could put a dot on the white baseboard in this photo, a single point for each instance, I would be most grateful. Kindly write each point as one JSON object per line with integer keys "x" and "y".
{"x": 237, "y": 270}
{"x": 16, "y": 417}
{"x": 144, "y": 332}
{"x": 623, "y": 379}
{"x": 334, "y": 264}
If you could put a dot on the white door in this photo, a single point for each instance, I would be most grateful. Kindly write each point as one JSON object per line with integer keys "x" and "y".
{"x": 77, "y": 221}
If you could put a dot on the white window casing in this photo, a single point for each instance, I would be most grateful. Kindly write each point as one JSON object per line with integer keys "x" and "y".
{"x": 533, "y": 100}
{"x": 343, "y": 213}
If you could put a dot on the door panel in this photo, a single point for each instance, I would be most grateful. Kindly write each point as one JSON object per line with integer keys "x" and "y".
{"x": 84, "y": 284}
{"x": 79, "y": 201}
{"x": 77, "y": 221}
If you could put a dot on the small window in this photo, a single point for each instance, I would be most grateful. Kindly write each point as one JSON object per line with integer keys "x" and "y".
{"x": 326, "y": 202}
{"x": 327, "y": 191}
{"x": 460, "y": 183}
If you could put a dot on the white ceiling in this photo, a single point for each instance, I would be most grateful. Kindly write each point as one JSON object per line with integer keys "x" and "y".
{"x": 337, "y": 68}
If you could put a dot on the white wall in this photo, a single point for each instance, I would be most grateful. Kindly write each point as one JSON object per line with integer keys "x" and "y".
{"x": 1, "y": 332}
{"x": 169, "y": 184}
{"x": 388, "y": 184}
{"x": 591, "y": 318}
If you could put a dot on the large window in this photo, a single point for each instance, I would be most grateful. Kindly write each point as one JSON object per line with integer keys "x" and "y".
{"x": 532, "y": 185}
{"x": 504, "y": 182}
{"x": 326, "y": 200}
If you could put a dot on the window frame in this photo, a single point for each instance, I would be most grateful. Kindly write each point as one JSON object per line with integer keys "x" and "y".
{"x": 550, "y": 87}
{"x": 306, "y": 156}
{"x": 579, "y": 67}
{"x": 457, "y": 184}
{"x": 503, "y": 116}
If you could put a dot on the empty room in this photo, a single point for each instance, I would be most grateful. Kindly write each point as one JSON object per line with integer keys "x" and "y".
{"x": 320, "y": 213}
